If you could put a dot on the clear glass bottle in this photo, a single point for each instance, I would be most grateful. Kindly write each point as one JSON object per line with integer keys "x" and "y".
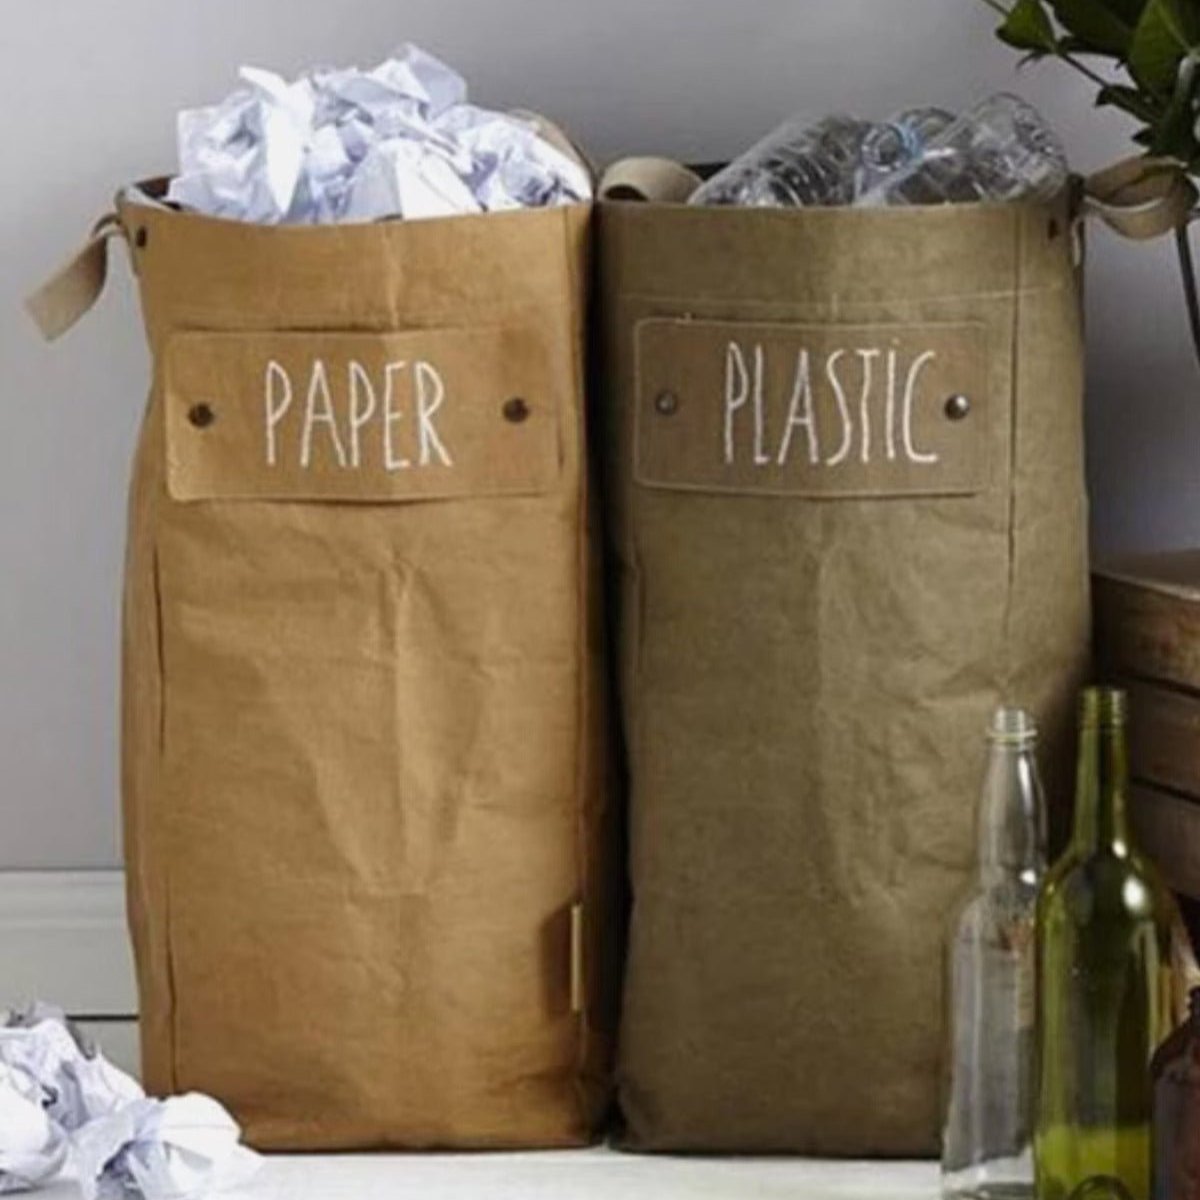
{"x": 1175, "y": 1070}
{"x": 1104, "y": 982}
{"x": 987, "y": 1140}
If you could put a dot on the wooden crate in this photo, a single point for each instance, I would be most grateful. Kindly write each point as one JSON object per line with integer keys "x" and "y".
{"x": 1147, "y": 622}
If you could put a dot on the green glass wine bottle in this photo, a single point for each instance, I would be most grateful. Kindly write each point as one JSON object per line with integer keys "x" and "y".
{"x": 1103, "y": 979}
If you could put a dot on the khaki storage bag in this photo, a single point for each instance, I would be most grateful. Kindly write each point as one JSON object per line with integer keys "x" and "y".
{"x": 367, "y": 837}
{"x": 847, "y": 503}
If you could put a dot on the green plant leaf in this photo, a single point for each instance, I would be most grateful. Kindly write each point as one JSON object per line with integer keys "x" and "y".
{"x": 1097, "y": 24}
{"x": 1130, "y": 100}
{"x": 1185, "y": 16}
{"x": 1028, "y": 27}
{"x": 1157, "y": 49}
{"x": 1128, "y": 11}
{"x": 1156, "y": 41}
{"x": 1175, "y": 133}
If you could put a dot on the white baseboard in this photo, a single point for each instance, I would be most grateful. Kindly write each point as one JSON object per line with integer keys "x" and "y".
{"x": 63, "y": 940}
{"x": 118, "y": 1040}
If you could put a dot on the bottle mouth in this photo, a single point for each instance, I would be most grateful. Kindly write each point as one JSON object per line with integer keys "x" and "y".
{"x": 1103, "y": 707}
{"x": 1012, "y": 727}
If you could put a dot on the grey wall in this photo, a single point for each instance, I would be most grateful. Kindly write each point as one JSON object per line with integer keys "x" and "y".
{"x": 88, "y": 96}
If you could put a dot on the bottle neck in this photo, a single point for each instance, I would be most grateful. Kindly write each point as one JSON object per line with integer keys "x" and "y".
{"x": 1012, "y": 835}
{"x": 1102, "y": 782}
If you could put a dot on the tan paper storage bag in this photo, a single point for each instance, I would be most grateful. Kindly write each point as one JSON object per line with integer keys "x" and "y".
{"x": 367, "y": 836}
{"x": 847, "y": 501}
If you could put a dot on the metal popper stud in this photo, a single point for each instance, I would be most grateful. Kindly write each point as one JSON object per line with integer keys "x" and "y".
{"x": 958, "y": 406}
{"x": 515, "y": 410}
{"x": 666, "y": 403}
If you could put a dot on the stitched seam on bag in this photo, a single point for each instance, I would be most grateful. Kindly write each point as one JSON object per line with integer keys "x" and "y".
{"x": 159, "y": 664}
{"x": 168, "y": 905}
{"x": 630, "y": 647}
{"x": 844, "y": 301}
{"x": 582, "y": 663}
{"x": 173, "y": 1009}
{"x": 233, "y": 323}
{"x": 157, "y": 807}
{"x": 714, "y": 489}
{"x": 632, "y": 397}
{"x": 1014, "y": 404}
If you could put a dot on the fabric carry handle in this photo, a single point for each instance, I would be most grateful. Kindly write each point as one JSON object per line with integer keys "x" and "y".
{"x": 660, "y": 180}
{"x": 1141, "y": 197}
{"x": 76, "y": 286}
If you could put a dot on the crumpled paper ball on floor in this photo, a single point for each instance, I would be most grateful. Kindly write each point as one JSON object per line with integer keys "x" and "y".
{"x": 62, "y": 1103}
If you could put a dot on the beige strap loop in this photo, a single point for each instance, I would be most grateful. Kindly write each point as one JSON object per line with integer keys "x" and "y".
{"x": 72, "y": 290}
{"x": 578, "y": 977}
{"x": 659, "y": 179}
{"x": 1141, "y": 198}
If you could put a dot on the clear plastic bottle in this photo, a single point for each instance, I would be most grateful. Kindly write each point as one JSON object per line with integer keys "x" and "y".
{"x": 988, "y": 1135}
{"x": 897, "y": 142}
{"x": 796, "y": 164}
{"x": 1001, "y": 149}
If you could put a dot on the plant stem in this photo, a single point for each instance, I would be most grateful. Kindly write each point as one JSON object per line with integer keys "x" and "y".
{"x": 1069, "y": 59}
{"x": 1082, "y": 68}
{"x": 1187, "y": 269}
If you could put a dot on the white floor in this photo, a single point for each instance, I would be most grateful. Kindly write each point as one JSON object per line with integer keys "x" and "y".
{"x": 62, "y": 938}
{"x": 573, "y": 1175}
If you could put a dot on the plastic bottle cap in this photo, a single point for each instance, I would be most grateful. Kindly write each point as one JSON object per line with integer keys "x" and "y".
{"x": 1012, "y": 726}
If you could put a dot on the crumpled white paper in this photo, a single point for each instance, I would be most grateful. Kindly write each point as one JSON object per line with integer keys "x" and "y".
{"x": 77, "y": 1082}
{"x": 347, "y": 145}
{"x": 61, "y": 1100}
{"x": 33, "y": 1148}
{"x": 181, "y": 1148}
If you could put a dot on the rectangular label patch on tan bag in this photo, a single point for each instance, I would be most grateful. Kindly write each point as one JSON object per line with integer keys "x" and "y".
{"x": 812, "y": 410}
{"x": 427, "y": 414}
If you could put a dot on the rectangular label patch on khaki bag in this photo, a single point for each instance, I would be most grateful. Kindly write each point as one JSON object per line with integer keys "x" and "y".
{"x": 426, "y": 414}
{"x": 812, "y": 410}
